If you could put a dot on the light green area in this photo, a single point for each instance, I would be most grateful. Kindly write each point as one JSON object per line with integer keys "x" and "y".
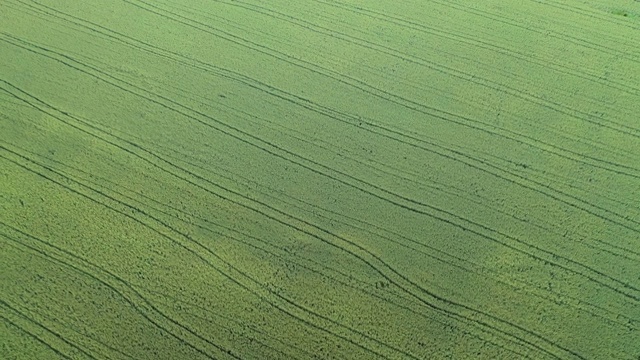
{"x": 333, "y": 180}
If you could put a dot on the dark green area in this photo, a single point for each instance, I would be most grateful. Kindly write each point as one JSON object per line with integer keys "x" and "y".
{"x": 330, "y": 180}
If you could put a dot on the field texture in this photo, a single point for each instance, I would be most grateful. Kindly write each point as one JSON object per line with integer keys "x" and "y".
{"x": 327, "y": 179}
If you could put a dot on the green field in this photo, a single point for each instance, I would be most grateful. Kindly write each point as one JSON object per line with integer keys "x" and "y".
{"x": 329, "y": 179}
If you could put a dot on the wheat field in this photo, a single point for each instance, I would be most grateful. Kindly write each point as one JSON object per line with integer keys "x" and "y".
{"x": 319, "y": 179}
